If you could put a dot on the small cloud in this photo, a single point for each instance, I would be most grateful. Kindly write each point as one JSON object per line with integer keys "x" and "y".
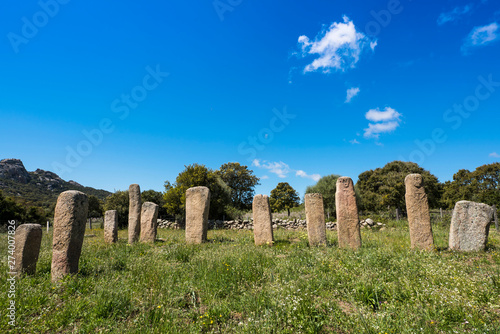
{"x": 282, "y": 170}
{"x": 481, "y": 36}
{"x": 375, "y": 115}
{"x": 351, "y": 92}
{"x": 453, "y": 15}
{"x": 303, "y": 174}
{"x": 354, "y": 141}
{"x": 385, "y": 121}
{"x": 337, "y": 47}
{"x": 494, "y": 155}
{"x": 279, "y": 168}
{"x": 374, "y": 130}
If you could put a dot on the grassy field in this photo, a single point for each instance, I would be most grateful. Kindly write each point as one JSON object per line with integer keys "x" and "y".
{"x": 230, "y": 286}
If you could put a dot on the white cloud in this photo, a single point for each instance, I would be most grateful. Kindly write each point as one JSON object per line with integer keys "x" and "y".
{"x": 279, "y": 168}
{"x": 282, "y": 169}
{"x": 384, "y": 122}
{"x": 351, "y": 92}
{"x": 375, "y": 115}
{"x": 303, "y": 174}
{"x": 480, "y": 36}
{"x": 354, "y": 141}
{"x": 374, "y": 130}
{"x": 494, "y": 155}
{"x": 265, "y": 177}
{"x": 337, "y": 47}
{"x": 453, "y": 15}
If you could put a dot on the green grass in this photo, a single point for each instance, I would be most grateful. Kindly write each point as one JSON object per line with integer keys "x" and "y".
{"x": 230, "y": 286}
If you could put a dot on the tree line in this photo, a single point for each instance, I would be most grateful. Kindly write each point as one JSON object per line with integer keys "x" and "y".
{"x": 232, "y": 188}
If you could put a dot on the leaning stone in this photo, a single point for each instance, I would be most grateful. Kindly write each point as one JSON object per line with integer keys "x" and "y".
{"x": 470, "y": 226}
{"x": 134, "y": 213}
{"x": 197, "y": 209}
{"x": 149, "y": 219}
{"x": 419, "y": 219}
{"x": 262, "y": 221}
{"x": 69, "y": 228}
{"x": 28, "y": 239}
{"x": 315, "y": 217}
{"x": 347, "y": 214}
{"x": 111, "y": 226}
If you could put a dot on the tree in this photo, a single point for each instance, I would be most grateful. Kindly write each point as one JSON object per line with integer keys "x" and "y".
{"x": 10, "y": 209}
{"x": 95, "y": 207}
{"x": 192, "y": 176}
{"x": 242, "y": 183}
{"x": 35, "y": 215}
{"x": 119, "y": 201}
{"x": 481, "y": 185}
{"x": 283, "y": 197}
{"x": 385, "y": 187}
{"x": 326, "y": 186}
{"x": 157, "y": 198}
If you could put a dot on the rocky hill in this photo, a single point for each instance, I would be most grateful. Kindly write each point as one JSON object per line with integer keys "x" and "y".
{"x": 38, "y": 188}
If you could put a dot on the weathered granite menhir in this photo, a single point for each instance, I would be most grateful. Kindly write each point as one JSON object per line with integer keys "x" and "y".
{"x": 347, "y": 214}
{"x": 470, "y": 226}
{"x": 69, "y": 229}
{"x": 315, "y": 217}
{"x": 197, "y": 209}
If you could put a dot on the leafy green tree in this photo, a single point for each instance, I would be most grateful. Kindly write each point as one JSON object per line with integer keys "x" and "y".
{"x": 96, "y": 207}
{"x": 10, "y": 209}
{"x": 157, "y": 198}
{"x": 119, "y": 201}
{"x": 35, "y": 215}
{"x": 242, "y": 183}
{"x": 193, "y": 176}
{"x": 384, "y": 188}
{"x": 481, "y": 185}
{"x": 283, "y": 197}
{"x": 326, "y": 186}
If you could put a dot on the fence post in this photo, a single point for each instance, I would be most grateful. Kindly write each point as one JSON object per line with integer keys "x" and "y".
{"x": 90, "y": 223}
{"x": 48, "y": 224}
{"x": 397, "y": 213}
{"x": 441, "y": 212}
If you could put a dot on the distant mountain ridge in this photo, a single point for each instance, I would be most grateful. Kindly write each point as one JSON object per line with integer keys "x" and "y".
{"x": 38, "y": 188}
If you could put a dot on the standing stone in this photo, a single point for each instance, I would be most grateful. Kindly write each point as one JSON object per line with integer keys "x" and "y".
{"x": 149, "y": 220}
{"x": 27, "y": 247}
{"x": 470, "y": 226}
{"x": 315, "y": 217}
{"x": 69, "y": 229}
{"x": 347, "y": 214}
{"x": 419, "y": 218}
{"x": 111, "y": 226}
{"x": 262, "y": 220}
{"x": 197, "y": 208}
{"x": 134, "y": 213}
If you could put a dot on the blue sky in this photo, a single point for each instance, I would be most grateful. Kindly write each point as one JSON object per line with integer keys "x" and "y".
{"x": 109, "y": 94}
